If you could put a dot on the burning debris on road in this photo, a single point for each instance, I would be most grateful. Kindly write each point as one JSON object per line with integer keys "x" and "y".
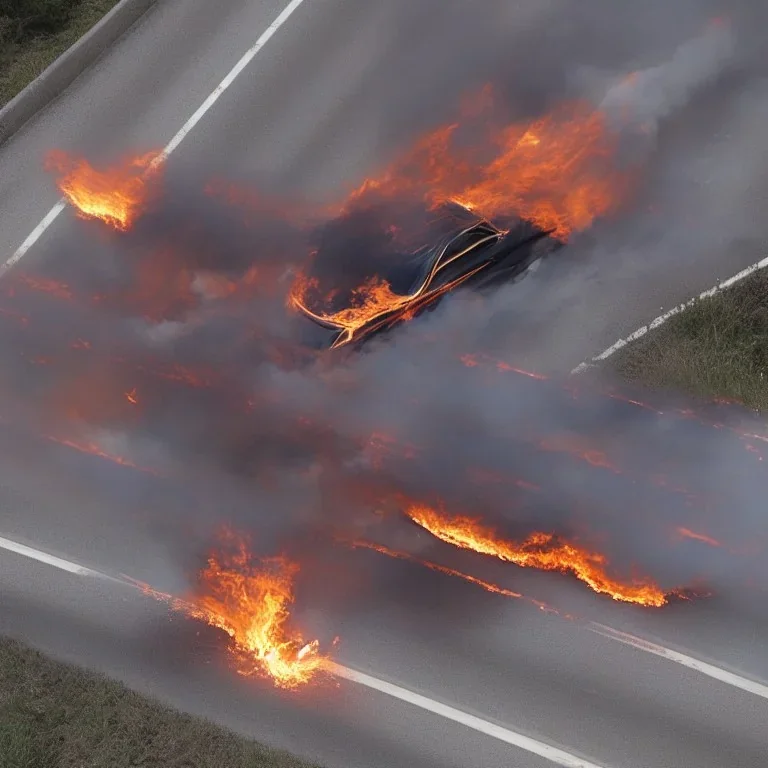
{"x": 117, "y": 196}
{"x": 183, "y": 335}
{"x": 250, "y": 600}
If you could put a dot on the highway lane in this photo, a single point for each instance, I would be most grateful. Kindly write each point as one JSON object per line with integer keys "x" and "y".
{"x": 554, "y": 682}
{"x": 309, "y": 117}
{"x": 500, "y": 659}
{"x": 134, "y": 99}
{"x": 344, "y": 84}
{"x": 335, "y": 60}
{"x": 347, "y": 109}
{"x": 158, "y": 529}
{"x": 697, "y": 223}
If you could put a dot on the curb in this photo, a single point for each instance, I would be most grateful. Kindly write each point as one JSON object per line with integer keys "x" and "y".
{"x": 66, "y": 68}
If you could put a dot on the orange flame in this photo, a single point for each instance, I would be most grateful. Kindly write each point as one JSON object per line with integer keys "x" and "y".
{"x": 557, "y": 171}
{"x": 372, "y": 305}
{"x": 540, "y": 550}
{"x": 550, "y": 175}
{"x": 250, "y": 601}
{"x": 115, "y": 195}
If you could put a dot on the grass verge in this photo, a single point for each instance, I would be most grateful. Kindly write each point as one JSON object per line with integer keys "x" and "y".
{"x": 717, "y": 348}
{"x": 53, "y": 715}
{"x": 21, "y": 62}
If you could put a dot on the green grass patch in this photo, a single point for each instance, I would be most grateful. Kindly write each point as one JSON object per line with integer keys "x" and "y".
{"x": 717, "y": 348}
{"x": 53, "y": 715}
{"x": 34, "y": 33}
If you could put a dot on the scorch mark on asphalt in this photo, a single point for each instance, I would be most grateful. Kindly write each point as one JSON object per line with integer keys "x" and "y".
{"x": 661, "y": 319}
{"x": 174, "y": 143}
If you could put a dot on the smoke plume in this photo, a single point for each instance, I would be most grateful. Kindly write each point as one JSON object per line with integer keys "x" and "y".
{"x": 193, "y": 365}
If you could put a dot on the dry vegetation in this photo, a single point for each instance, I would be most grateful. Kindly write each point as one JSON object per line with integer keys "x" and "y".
{"x": 53, "y": 715}
{"x": 716, "y": 348}
{"x": 33, "y": 33}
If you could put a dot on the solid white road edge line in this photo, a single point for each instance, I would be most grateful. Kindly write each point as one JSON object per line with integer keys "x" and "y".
{"x": 174, "y": 143}
{"x": 553, "y": 754}
{"x": 548, "y": 752}
{"x": 661, "y": 319}
{"x": 710, "y": 670}
{"x": 33, "y": 237}
{"x": 43, "y": 557}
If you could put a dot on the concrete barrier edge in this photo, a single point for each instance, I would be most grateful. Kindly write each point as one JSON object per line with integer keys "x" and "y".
{"x": 67, "y": 67}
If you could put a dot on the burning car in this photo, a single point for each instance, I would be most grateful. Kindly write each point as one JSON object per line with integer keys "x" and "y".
{"x": 428, "y": 254}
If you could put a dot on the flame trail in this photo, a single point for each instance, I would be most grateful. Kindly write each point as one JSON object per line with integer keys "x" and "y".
{"x": 687, "y": 533}
{"x": 92, "y": 449}
{"x": 474, "y": 360}
{"x": 486, "y": 585}
{"x": 540, "y": 550}
{"x": 571, "y": 446}
{"x": 43, "y": 285}
{"x": 373, "y": 304}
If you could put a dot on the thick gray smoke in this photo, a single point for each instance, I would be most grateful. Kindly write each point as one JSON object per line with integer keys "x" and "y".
{"x": 648, "y": 96}
{"x": 297, "y": 445}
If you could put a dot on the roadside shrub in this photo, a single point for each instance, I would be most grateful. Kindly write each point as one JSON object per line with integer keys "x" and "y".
{"x": 24, "y": 19}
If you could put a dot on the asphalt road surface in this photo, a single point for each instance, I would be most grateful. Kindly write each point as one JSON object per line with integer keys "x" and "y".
{"x": 504, "y": 662}
{"x": 339, "y": 86}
